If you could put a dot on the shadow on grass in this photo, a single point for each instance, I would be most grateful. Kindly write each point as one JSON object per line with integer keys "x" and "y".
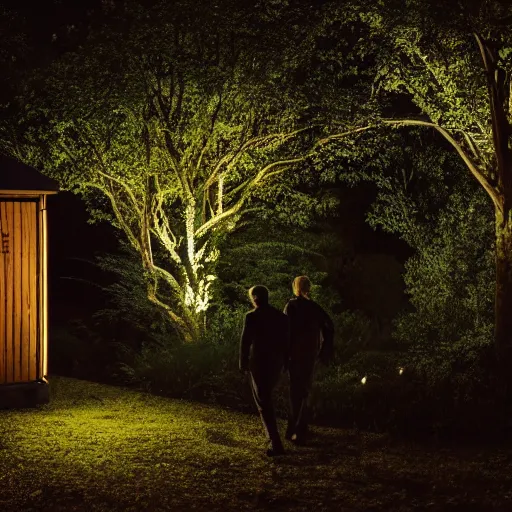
{"x": 104, "y": 448}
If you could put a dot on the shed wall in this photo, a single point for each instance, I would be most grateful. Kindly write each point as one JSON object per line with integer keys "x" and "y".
{"x": 20, "y": 287}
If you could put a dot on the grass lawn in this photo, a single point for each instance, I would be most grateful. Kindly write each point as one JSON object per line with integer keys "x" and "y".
{"x": 98, "y": 447}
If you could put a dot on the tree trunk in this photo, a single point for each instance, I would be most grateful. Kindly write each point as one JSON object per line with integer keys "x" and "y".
{"x": 503, "y": 297}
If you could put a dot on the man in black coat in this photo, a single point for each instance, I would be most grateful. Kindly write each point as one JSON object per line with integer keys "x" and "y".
{"x": 311, "y": 339}
{"x": 263, "y": 354}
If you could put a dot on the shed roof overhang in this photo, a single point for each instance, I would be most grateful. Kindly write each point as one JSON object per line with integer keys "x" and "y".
{"x": 20, "y": 180}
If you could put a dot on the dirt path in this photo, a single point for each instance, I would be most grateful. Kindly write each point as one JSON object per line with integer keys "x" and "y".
{"x": 102, "y": 448}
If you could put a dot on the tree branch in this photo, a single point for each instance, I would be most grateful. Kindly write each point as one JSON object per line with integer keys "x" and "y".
{"x": 126, "y": 188}
{"x": 342, "y": 135}
{"x": 500, "y": 124}
{"x": 255, "y": 142}
{"x": 262, "y": 174}
{"x": 131, "y": 237}
{"x": 493, "y": 194}
{"x": 176, "y": 320}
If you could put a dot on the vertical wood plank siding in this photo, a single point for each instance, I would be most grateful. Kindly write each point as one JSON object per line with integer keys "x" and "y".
{"x": 16, "y": 255}
{"x": 32, "y": 295}
{"x": 19, "y": 292}
{"x": 43, "y": 286}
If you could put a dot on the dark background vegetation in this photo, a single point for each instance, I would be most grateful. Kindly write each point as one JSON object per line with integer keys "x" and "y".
{"x": 403, "y": 263}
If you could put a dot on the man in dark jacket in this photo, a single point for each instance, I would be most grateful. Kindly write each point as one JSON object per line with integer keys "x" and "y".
{"x": 311, "y": 339}
{"x": 263, "y": 354}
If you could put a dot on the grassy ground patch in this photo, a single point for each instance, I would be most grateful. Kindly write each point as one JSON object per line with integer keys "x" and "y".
{"x": 104, "y": 448}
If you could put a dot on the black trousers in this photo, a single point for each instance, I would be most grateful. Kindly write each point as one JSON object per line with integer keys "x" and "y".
{"x": 301, "y": 380}
{"x": 262, "y": 384}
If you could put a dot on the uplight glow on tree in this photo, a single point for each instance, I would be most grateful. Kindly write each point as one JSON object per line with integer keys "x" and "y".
{"x": 169, "y": 136}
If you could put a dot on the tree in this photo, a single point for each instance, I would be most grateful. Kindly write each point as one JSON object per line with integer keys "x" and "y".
{"x": 170, "y": 129}
{"x": 453, "y": 65}
{"x": 428, "y": 200}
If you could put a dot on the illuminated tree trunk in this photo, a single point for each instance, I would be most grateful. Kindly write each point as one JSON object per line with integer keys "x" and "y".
{"x": 197, "y": 278}
{"x": 500, "y": 104}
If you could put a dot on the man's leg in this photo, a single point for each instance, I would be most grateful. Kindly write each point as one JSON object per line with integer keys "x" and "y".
{"x": 262, "y": 392}
{"x": 301, "y": 376}
{"x": 295, "y": 404}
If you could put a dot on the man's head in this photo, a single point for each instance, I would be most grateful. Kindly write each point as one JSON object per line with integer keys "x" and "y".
{"x": 301, "y": 286}
{"x": 258, "y": 295}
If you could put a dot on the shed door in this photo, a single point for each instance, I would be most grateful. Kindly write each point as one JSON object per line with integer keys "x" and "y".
{"x": 19, "y": 344}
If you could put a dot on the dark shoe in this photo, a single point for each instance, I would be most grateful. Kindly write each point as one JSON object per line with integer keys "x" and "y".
{"x": 275, "y": 448}
{"x": 272, "y": 452}
{"x": 298, "y": 440}
{"x": 290, "y": 430}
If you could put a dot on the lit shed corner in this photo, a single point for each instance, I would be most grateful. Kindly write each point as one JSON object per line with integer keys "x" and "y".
{"x": 23, "y": 284}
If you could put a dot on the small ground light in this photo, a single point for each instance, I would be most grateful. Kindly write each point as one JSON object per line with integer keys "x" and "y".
{"x": 363, "y": 380}
{"x": 400, "y": 371}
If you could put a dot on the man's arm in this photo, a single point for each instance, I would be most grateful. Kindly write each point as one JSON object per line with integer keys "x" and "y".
{"x": 287, "y": 341}
{"x": 290, "y": 311}
{"x": 327, "y": 351}
{"x": 245, "y": 345}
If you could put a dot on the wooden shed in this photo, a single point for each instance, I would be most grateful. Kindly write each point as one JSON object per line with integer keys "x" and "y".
{"x": 23, "y": 284}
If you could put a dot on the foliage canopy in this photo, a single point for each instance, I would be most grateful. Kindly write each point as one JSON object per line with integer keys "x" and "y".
{"x": 174, "y": 134}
